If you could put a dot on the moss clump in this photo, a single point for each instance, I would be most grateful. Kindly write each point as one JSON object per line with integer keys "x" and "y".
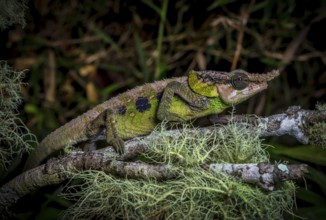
{"x": 321, "y": 106}
{"x": 195, "y": 194}
{"x": 317, "y": 135}
{"x": 316, "y": 129}
{"x": 15, "y": 138}
{"x": 12, "y": 12}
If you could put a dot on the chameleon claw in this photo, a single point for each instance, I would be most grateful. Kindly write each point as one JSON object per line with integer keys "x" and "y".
{"x": 118, "y": 145}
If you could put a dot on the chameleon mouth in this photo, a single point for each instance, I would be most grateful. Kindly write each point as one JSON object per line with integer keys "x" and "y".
{"x": 229, "y": 95}
{"x": 252, "y": 89}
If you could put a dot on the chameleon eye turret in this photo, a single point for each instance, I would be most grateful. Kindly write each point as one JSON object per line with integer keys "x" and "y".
{"x": 239, "y": 80}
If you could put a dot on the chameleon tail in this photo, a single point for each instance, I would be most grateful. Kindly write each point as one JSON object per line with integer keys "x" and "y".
{"x": 38, "y": 155}
{"x": 70, "y": 133}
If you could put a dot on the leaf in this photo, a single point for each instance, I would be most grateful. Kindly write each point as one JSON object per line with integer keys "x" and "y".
{"x": 48, "y": 213}
{"x": 311, "y": 154}
{"x": 152, "y": 6}
{"x": 218, "y": 3}
{"x": 58, "y": 200}
{"x": 141, "y": 57}
{"x": 91, "y": 92}
{"x": 30, "y": 108}
{"x": 106, "y": 38}
{"x": 314, "y": 212}
{"x": 318, "y": 177}
{"x": 88, "y": 70}
{"x": 309, "y": 196}
{"x": 109, "y": 89}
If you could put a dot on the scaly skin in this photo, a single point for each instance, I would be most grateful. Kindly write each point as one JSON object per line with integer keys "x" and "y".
{"x": 137, "y": 111}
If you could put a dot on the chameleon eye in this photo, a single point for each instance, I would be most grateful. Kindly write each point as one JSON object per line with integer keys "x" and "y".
{"x": 239, "y": 81}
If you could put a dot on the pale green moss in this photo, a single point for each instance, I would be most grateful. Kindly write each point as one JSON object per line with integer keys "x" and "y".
{"x": 317, "y": 135}
{"x": 15, "y": 138}
{"x": 316, "y": 130}
{"x": 195, "y": 194}
{"x": 321, "y": 106}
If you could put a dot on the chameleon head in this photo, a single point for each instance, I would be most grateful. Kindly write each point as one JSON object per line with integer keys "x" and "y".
{"x": 231, "y": 87}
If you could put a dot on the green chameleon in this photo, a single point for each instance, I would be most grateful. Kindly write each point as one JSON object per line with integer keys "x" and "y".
{"x": 137, "y": 111}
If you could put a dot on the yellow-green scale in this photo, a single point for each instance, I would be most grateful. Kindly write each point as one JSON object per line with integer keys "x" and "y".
{"x": 186, "y": 113}
{"x": 134, "y": 123}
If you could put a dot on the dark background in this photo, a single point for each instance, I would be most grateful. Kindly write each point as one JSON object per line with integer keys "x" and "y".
{"x": 80, "y": 53}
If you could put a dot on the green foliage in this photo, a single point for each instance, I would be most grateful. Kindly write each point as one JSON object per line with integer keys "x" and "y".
{"x": 12, "y": 12}
{"x": 144, "y": 70}
{"x": 195, "y": 193}
{"x": 15, "y": 138}
{"x": 316, "y": 202}
{"x": 309, "y": 153}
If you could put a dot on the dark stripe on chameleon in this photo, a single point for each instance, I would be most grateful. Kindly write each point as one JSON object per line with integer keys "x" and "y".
{"x": 142, "y": 104}
{"x": 159, "y": 96}
{"x": 122, "y": 110}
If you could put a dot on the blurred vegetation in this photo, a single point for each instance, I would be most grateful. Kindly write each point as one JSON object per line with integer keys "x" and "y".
{"x": 11, "y": 13}
{"x": 80, "y": 53}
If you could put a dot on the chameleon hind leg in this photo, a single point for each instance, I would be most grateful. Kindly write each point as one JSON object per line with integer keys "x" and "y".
{"x": 194, "y": 100}
{"x": 106, "y": 120}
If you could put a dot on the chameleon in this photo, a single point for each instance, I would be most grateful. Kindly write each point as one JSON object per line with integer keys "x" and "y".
{"x": 138, "y": 111}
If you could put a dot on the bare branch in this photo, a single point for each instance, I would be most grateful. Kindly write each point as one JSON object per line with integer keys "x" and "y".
{"x": 264, "y": 175}
{"x": 295, "y": 121}
{"x": 56, "y": 171}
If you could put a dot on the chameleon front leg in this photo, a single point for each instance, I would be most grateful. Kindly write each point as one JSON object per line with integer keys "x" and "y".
{"x": 106, "y": 120}
{"x": 112, "y": 135}
{"x": 194, "y": 100}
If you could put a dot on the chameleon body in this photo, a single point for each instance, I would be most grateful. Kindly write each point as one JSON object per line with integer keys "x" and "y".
{"x": 137, "y": 111}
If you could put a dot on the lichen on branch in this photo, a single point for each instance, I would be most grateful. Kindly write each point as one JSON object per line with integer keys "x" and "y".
{"x": 168, "y": 172}
{"x": 194, "y": 192}
{"x": 307, "y": 126}
{"x": 15, "y": 138}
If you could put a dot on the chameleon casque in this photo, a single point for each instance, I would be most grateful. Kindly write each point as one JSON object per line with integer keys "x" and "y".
{"x": 137, "y": 111}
